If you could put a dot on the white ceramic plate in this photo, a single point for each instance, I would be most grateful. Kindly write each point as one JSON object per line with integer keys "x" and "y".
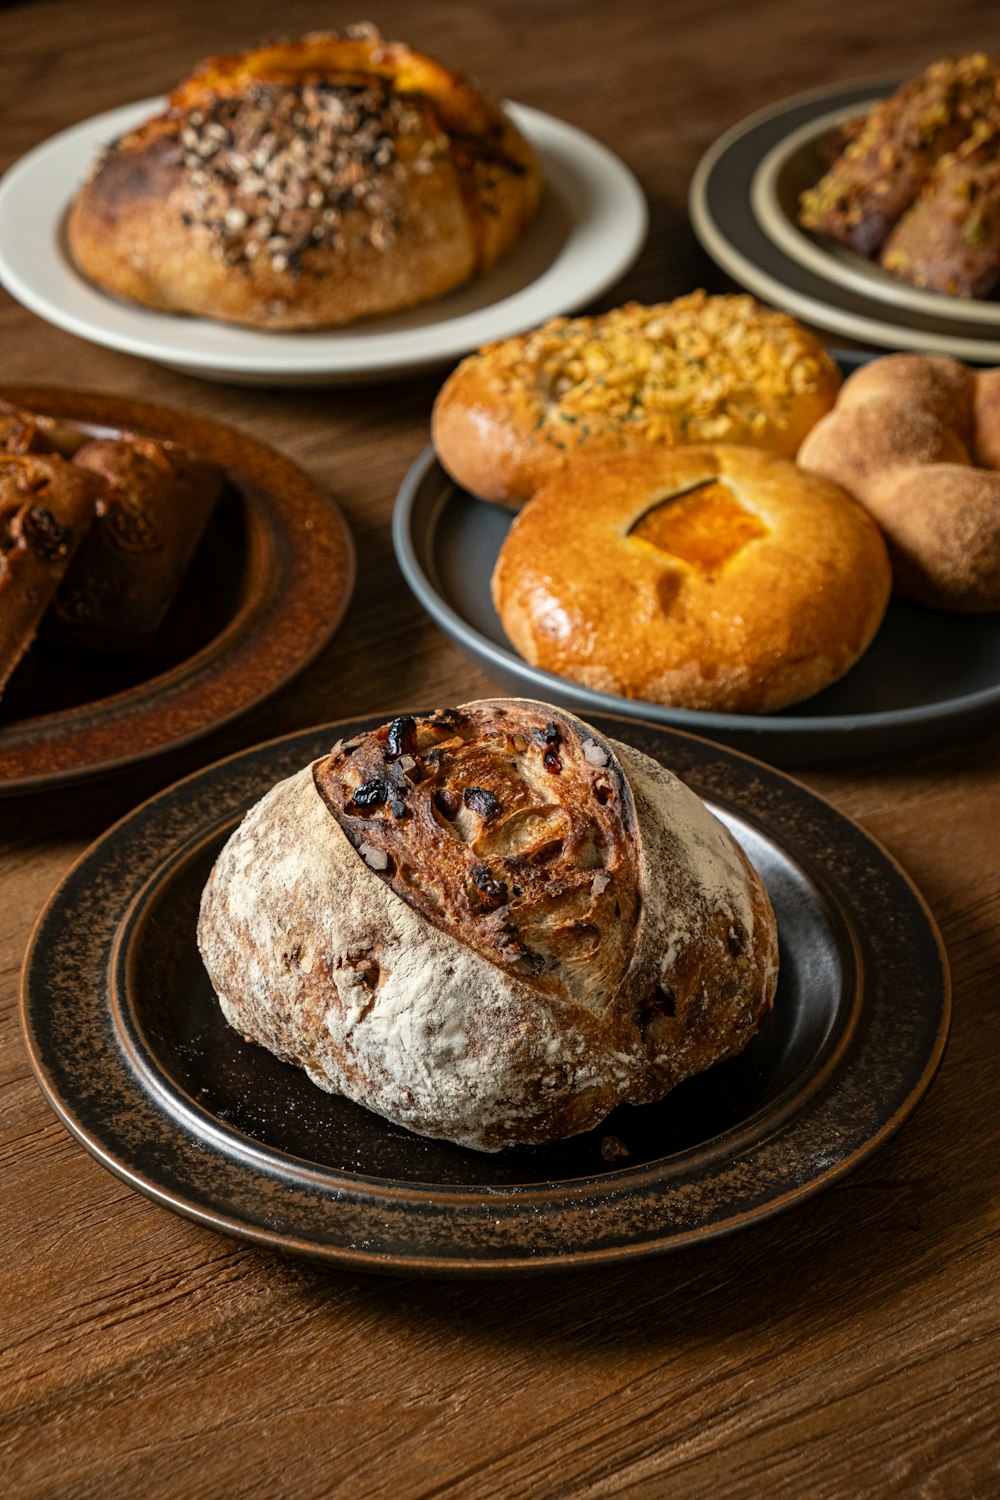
{"x": 725, "y": 221}
{"x": 590, "y": 227}
{"x": 793, "y": 165}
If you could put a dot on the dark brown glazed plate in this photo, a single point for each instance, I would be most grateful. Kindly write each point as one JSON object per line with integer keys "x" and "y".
{"x": 130, "y": 1047}
{"x": 267, "y": 589}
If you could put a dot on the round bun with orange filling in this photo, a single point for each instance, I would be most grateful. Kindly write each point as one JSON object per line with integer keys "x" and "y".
{"x": 712, "y": 578}
{"x": 699, "y": 370}
{"x": 306, "y": 184}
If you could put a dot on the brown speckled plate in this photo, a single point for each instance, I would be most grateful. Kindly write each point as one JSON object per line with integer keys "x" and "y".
{"x": 266, "y": 590}
{"x": 131, "y": 1049}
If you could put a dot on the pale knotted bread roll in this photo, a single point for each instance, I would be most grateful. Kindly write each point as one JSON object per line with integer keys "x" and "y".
{"x": 490, "y": 924}
{"x": 916, "y": 438}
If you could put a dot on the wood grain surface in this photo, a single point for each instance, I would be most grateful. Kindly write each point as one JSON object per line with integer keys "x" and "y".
{"x": 847, "y": 1349}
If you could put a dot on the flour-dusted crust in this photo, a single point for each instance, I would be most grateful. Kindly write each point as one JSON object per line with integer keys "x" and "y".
{"x": 916, "y": 438}
{"x": 306, "y": 184}
{"x": 491, "y": 925}
{"x": 701, "y": 369}
{"x": 714, "y": 578}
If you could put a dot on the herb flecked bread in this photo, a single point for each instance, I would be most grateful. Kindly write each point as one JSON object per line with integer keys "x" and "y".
{"x": 699, "y": 370}
{"x": 490, "y": 924}
{"x": 916, "y": 184}
{"x": 306, "y": 184}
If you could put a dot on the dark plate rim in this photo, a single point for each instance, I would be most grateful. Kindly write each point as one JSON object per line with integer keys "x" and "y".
{"x": 844, "y": 859}
{"x": 413, "y": 550}
{"x": 298, "y": 583}
{"x": 755, "y": 260}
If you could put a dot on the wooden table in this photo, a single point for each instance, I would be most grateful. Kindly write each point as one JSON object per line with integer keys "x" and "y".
{"x": 846, "y": 1349}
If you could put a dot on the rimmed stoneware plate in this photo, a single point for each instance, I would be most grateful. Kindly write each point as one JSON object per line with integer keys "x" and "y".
{"x": 266, "y": 590}
{"x": 795, "y": 164}
{"x": 725, "y": 219}
{"x": 131, "y": 1049}
{"x": 590, "y": 227}
{"x": 928, "y": 678}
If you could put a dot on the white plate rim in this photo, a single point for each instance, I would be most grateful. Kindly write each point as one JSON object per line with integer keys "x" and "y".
{"x": 35, "y": 193}
{"x": 838, "y": 265}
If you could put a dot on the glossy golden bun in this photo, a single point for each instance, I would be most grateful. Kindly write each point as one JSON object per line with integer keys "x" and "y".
{"x": 713, "y": 578}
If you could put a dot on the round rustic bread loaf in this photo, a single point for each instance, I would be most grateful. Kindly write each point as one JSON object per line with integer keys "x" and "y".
{"x": 489, "y": 924}
{"x": 916, "y": 438}
{"x": 698, "y": 370}
{"x": 715, "y": 578}
{"x": 306, "y": 184}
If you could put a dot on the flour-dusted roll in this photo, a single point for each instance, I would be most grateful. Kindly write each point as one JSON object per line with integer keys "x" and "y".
{"x": 491, "y": 924}
{"x": 305, "y": 184}
{"x": 916, "y": 439}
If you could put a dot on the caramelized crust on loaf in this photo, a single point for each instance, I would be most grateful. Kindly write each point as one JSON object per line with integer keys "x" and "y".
{"x": 701, "y": 369}
{"x": 489, "y": 924}
{"x": 155, "y": 504}
{"x": 306, "y": 184}
{"x": 507, "y": 835}
{"x": 916, "y": 438}
{"x": 23, "y": 431}
{"x": 46, "y": 506}
{"x": 713, "y": 578}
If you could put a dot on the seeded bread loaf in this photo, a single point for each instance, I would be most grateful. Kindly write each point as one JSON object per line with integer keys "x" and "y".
{"x": 701, "y": 369}
{"x": 306, "y": 184}
{"x": 714, "y": 578}
{"x": 489, "y": 924}
{"x": 916, "y": 438}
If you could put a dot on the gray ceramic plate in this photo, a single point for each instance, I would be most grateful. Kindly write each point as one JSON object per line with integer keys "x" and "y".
{"x": 927, "y": 679}
{"x": 724, "y": 218}
{"x": 129, "y": 1046}
{"x": 266, "y": 590}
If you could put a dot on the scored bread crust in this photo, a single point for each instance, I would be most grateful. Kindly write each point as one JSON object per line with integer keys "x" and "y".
{"x": 916, "y": 439}
{"x": 701, "y": 369}
{"x": 306, "y": 184}
{"x": 751, "y": 597}
{"x": 393, "y": 1001}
